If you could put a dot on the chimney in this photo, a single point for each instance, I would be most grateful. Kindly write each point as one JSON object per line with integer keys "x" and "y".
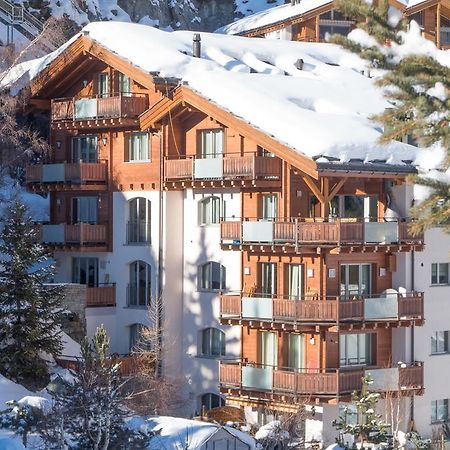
{"x": 299, "y": 64}
{"x": 197, "y": 46}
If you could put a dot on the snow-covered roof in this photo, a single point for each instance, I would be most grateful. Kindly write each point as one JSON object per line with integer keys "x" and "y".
{"x": 321, "y": 111}
{"x": 272, "y": 16}
{"x": 175, "y": 433}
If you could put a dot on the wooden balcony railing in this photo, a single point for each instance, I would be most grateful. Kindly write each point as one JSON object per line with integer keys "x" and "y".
{"x": 254, "y": 377}
{"x": 76, "y": 173}
{"x": 233, "y": 167}
{"x": 128, "y": 364}
{"x": 78, "y": 234}
{"x": 297, "y": 232}
{"x": 103, "y": 295}
{"x": 114, "y": 106}
{"x": 278, "y": 309}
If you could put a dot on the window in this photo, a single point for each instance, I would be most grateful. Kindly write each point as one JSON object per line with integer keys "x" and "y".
{"x": 210, "y": 401}
{"x": 84, "y": 210}
{"x": 84, "y": 149}
{"x": 294, "y": 280}
{"x": 269, "y": 206}
{"x": 212, "y": 276}
{"x": 439, "y": 342}
{"x": 296, "y": 344}
{"x": 268, "y": 348}
{"x": 138, "y": 147}
{"x": 355, "y": 349}
{"x": 124, "y": 84}
{"x": 135, "y": 335}
{"x": 263, "y": 152}
{"x": 213, "y": 342}
{"x": 139, "y": 289}
{"x": 355, "y": 280}
{"x": 85, "y": 271}
{"x": 139, "y": 225}
{"x": 268, "y": 279}
{"x": 439, "y": 273}
{"x": 103, "y": 85}
{"x": 212, "y": 143}
{"x": 355, "y": 207}
{"x": 439, "y": 410}
{"x": 349, "y": 412}
{"x": 209, "y": 210}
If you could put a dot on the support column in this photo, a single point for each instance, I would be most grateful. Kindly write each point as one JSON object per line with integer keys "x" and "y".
{"x": 438, "y": 26}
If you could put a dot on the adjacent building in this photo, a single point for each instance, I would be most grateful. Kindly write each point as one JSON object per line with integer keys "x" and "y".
{"x": 248, "y": 195}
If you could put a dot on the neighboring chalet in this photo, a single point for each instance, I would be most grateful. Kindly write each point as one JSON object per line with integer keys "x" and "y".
{"x": 312, "y": 20}
{"x": 245, "y": 192}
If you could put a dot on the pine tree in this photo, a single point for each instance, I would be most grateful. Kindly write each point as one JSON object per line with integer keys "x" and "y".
{"x": 30, "y": 309}
{"x": 369, "y": 427}
{"x": 418, "y": 87}
{"x": 89, "y": 410}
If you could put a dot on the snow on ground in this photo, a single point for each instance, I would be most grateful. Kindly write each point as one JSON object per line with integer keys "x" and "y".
{"x": 11, "y": 391}
{"x": 309, "y": 110}
{"x": 271, "y": 16}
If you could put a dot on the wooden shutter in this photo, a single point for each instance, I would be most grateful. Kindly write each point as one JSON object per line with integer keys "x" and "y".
{"x": 126, "y": 147}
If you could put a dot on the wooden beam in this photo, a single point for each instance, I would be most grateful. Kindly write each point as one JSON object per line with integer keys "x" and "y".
{"x": 325, "y": 188}
{"x": 336, "y": 188}
{"x": 313, "y": 187}
{"x": 438, "y": 26}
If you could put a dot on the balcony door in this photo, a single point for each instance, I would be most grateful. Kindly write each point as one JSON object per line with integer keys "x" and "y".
{"x": 124, "y": 84}
{"x": 269, "y": 206}
{"x": 294, "y": 281}
{"x": 211, "y": 143}
{"x": 84, "y": 149}
{"x": 84, "y": 210}
{"x": 140, "y": 220}
{"x": 268, "y": 349}
{"x": 268, "y": 279}
{"x": 85, "y": 271}
{"x": 355, "y": 280}
{"x": 103, "y": 85}
{"x": 355, "y": 207}
{"x": 139, "y": 289}
{"x": 296, "y": 351}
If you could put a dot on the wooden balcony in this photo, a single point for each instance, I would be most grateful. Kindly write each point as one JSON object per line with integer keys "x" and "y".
{"x": 296, "y": 235}
{"x": 81, "y": 237}
{"x": 394, "y": 310}
{"x": 63, "y": 176}
{"x": 128, "y": 364}
{"x": 103, "y": 295}
{"x": 233, "y": 170}
{"x": 120, "y": 110}
{"x": 271, "y": 383}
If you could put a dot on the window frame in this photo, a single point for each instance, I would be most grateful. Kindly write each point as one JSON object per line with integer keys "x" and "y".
{"x": 438, "y": 274}
{"x": 85, "y": 261}
{"x": 344, "y": 347}
{"x": 131, "y": 151}
{"x": 207, "y": 270}
{"x": 209, "y": 345}
{"x": 212, "y": 217}
{"x": 435, "y": 343}
{"x": 76, "y": 147}
{"x": 202, "y": 143}
{"x": 134, "y": 273}
{"x": 435, "y": 405}
{"x": 83, "y": 206}
{"x": 135, "y": 205}
{"x": 209, "y": 396}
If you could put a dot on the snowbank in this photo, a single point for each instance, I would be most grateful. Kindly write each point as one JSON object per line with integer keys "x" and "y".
{"x": 11, "y": 391}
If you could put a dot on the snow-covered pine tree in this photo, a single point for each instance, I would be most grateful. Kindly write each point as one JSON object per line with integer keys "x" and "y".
{"x": 418, "y": 86}
{"x": 369, "y": 427}
{"x": 30, "y": 309}
{"x": 89, "y": 411}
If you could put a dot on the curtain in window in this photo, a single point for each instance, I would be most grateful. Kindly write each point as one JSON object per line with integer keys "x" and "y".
{"x": 84, "y": 149}
{"x": 355, "y": 349}
{"x": 295, "y": 281}
{"x": 138, "y": 147}
{"x": 269, "y": 206}
{"x": 212, "y": 143}
{"x": 269, "y": 355}
{"x": 85, "y": 271}
{"x": 84, "y": 210}
{"x": 296, "y": 351}
{"x": 124, "y": 84}
{"x": 268, "y": 279}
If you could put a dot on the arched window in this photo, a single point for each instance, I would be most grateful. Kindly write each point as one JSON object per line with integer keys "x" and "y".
{"x": 213, "y": 342}
{"x": 212, "y": 276}
{"x": 139, "y": 289}
{"x": 209, "y": 210}
{"x": 209, "y": 401}
{"x": 135, "y": 334}
{"x": 138, "y": 230}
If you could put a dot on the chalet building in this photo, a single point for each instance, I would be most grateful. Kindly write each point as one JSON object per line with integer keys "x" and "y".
{"x": 247, "y": 195}
{"x": 312, "y": 20}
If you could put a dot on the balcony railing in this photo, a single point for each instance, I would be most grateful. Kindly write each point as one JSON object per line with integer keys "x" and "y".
{"x": 299, "y": 232}
{"x": 321, "y": 382}
{"x": 102, "y": 295}
{"x": 278, "y": 309}
{"x": 76, "y": 173}
{"x": 114, "y": 106}
{"x": 233, "y": 167}
{"x": 78, "y": 234}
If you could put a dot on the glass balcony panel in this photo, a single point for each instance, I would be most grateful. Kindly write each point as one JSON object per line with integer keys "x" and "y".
{"x": 381, "y": 307}
{"x": 259, "y": 378}
{"x": 254, "y": 307}
{"x": 384, "y": 379}
{"x": 53, "y": 234}
{"x": 52, "y": 173}
{"x": 257, "y": 231}
{"x": 85, "y": 108}
{"x": 208, "y": 168}
{"x": 381, "y": 232}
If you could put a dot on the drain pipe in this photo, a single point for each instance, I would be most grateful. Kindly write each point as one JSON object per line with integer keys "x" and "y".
{"x": 412, "y": 342}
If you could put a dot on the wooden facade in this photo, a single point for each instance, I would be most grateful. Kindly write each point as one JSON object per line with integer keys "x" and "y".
{"x": 300, "y": 229}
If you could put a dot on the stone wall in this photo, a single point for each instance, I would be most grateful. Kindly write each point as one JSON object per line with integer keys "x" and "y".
{"x": 75, "y": 304}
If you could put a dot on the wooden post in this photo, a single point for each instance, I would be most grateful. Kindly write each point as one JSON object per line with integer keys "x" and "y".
{"x": 317, "y": 28}
{"x": 438, "y": 26}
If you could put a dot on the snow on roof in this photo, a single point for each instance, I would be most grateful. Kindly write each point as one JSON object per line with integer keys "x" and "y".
{"x": 320, "y": 111}
{"x": 11, "y": 391}
{"x": 175, "y": 433}
{"x": 271, "y": 16}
